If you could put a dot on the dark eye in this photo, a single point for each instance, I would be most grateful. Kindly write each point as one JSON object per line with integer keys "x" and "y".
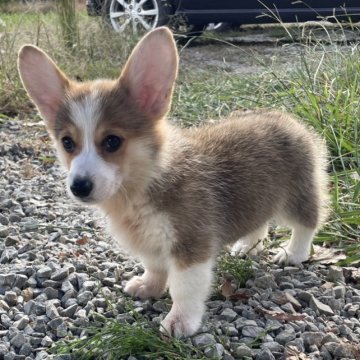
{"x": 68, "y": 144}
{"x": 111, "y": 143}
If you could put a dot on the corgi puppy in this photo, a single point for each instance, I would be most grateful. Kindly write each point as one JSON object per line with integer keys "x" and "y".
{"x": 174, "y": 197}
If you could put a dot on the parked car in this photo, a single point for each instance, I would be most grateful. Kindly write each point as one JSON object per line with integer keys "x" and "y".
{"x": 197, "y": 14}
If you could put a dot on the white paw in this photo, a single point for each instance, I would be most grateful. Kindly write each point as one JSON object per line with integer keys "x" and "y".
{"x": 286, "y": 256}
{"x": 179, "y": 324}
{"x": 242, "y": 249}
{"x": 137, "y": 287}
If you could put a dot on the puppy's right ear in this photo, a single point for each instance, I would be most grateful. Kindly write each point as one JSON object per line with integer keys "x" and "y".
{"x": 43, "y": 80}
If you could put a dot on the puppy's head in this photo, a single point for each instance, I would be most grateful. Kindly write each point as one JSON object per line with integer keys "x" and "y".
{"x": 108, "y": 133}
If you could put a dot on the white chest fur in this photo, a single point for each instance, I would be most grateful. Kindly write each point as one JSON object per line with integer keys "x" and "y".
{"x": 141, "y": 229}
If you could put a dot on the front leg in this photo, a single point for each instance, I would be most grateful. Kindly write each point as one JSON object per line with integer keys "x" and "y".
{"x": 151, "y": 284}
{"x": 189, "y": 289}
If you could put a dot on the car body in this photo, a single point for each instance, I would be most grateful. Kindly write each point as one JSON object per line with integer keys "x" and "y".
{"x": 253, "y": 11}
{"x": 198, "y": 13}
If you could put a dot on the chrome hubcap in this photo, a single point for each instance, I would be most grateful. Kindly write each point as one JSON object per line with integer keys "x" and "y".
{"x": 133, "y": 14}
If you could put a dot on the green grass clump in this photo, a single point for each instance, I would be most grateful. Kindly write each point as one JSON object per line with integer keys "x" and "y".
{"x": 240, "y": 269}
{"x": 113, "y": 340}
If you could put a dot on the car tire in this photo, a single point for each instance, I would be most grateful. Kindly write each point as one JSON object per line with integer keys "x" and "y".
{"x": 183, "y": 30}
{"x": 136, "y": 16}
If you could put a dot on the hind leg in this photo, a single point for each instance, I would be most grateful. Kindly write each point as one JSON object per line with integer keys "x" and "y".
{"x": 251, "y": 243}
{"x": 302, "y": 214}
{"x": 298, "y": 249}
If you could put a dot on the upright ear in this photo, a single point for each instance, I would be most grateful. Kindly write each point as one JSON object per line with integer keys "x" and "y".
{"x": 150, "y": 73}
{"x": 43, "y": 80}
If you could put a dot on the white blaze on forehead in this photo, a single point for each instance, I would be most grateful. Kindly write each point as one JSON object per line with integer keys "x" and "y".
{"x": 85, "y": 113}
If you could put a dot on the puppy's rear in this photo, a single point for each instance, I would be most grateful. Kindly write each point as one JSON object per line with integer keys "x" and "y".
{"x": 227, "y": 181}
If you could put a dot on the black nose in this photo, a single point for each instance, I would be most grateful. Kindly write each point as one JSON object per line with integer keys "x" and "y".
{"x": 81, "y": 187}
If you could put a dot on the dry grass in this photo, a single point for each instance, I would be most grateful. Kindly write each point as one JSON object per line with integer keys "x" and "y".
{"x": 95, "y": 52}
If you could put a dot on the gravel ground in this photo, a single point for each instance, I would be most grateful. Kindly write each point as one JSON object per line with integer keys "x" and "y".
{"x": 58, "y": 267}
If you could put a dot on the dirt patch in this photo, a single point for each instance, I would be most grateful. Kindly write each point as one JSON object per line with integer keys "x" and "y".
{"x": 255, "y": 49}
{"x": 239, "y": 59}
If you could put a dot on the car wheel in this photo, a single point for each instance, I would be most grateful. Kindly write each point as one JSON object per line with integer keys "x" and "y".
{"x": 137, "y": 16}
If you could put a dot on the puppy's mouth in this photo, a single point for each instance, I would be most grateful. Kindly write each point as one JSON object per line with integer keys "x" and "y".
{"x": 87, "y": 201}
{"x": 93, "y": 198}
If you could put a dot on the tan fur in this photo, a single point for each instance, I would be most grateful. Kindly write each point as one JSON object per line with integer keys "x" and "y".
{"x": 218, "y": 182}
{"x": 228, "y": 179}
{"x": 185, "y": 193}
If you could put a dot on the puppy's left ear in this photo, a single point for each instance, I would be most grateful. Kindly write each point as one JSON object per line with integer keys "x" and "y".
{"x": 150, "y": 73}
